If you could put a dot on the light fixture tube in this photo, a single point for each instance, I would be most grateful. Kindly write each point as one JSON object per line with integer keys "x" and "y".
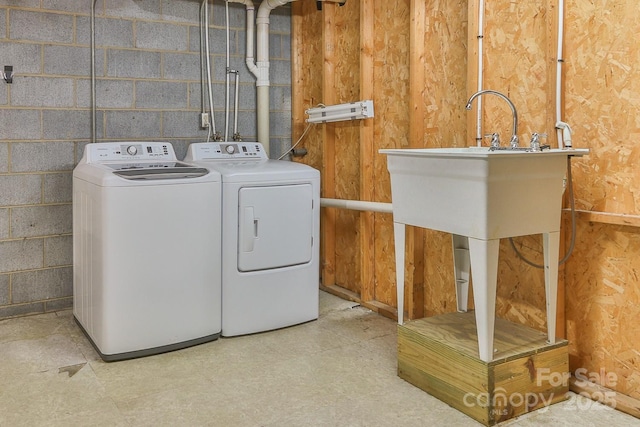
{"x": 335, "y": 113}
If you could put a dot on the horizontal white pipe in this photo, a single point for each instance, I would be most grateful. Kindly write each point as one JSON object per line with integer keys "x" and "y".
{"x": 356, "y": 205}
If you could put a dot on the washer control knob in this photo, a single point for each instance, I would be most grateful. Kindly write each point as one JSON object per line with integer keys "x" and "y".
{"x": 132, "y": 150}
{"x": 230, "y": 149}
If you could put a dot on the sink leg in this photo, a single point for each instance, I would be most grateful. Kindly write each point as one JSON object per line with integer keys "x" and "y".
{"x": 461, "y": 270}
{"x": 551, "y": 245}
{"x": 399, "y": 240}
{"x": 484, "y": 267}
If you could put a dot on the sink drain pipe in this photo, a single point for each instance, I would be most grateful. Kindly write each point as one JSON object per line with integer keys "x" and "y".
{"x": 356, "y": 205}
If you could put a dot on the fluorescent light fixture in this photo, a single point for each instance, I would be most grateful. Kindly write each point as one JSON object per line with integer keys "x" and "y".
{"x": 336, "y": 113}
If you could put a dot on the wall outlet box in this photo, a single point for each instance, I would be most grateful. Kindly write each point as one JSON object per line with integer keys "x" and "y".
{"x": 204, "y": 120}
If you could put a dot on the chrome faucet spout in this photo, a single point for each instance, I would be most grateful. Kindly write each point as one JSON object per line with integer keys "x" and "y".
{"x": 514, "y": 136}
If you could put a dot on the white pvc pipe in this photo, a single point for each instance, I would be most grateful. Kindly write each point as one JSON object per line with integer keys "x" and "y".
{"x": 262, "y": 63}
{"x": 480, "y": 71}
{"x": 250, "y": 34}
{"x": 357, "y": 205}
{"x": 261, "y": 67}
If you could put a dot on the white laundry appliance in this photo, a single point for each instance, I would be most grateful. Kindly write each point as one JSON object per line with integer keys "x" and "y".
{"x": 146, "y": 250}
{"x": 270, "y": 237}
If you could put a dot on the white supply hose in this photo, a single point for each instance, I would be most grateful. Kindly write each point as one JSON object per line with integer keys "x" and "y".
{"x": 228, "y": 71}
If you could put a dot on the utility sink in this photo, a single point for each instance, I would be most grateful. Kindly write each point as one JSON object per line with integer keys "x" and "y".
{"x": 480, "y": 196}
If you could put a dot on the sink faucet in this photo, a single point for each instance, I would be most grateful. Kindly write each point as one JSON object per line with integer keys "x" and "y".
{"x": 513, "y": 142}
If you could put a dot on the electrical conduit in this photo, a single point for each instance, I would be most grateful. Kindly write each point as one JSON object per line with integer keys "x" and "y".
{"x": 480, "y": 71}
{"x": 563, "y": 131}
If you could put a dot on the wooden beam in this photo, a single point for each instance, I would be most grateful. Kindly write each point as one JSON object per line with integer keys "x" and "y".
{"x": 328, "y": 227}
{"x": 550, "y": 124}
{"x": 375, "y": 306}
{"x": 367, "y": 152}
{"x": 297, "y": 62}
{"x": 607, "y": 218}
{"x": 415, "y": 238}
{"x": 472, "y": 67}
{"x": 611, "y": 398}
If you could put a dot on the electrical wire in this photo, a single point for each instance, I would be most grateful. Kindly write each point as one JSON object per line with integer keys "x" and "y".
{"x": 297, "y": 142}
{"x": 573, "y": 224}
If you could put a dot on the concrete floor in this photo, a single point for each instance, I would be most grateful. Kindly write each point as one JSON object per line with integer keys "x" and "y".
{"x": 337, "y": 371}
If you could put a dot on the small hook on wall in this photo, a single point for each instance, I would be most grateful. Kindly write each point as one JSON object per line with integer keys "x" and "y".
{"x": 7, "y": 75}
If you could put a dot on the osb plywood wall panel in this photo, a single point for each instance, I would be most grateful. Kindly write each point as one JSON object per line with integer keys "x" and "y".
{"x": 347, "y": 144}
{"x": 391, "y": 75}
{"x": 602, "y": 104}
{"x": 515, "y": 63}
{"x": 307, "y": 71}
{"x": 445, "y": 72}
{"x": 602, "y": 304}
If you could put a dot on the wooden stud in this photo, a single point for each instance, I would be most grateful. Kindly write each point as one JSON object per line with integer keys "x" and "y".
{"x": 552, "y": 48}
{"x": 608, "y": 218}
{"x": 472, "y": 67}
{"x": 605, "y": 395}
{"x": 328, "y": 226}
{"x": 297, "y": 63}
{"x": 367, "y": 153}
{"x": 415, "y": 242}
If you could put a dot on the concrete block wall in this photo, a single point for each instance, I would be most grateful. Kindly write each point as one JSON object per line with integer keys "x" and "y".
{"x": 148, "y": 88}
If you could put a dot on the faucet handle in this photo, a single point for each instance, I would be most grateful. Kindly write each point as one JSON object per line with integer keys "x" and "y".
{"x": 535, "y": 141}
{"x": 495, "y": 139}
{"x": 514, "y": 142}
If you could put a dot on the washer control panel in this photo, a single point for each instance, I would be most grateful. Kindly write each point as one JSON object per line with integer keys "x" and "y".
{"x": 127, "y": 151}
{"x": 227, "y": 150}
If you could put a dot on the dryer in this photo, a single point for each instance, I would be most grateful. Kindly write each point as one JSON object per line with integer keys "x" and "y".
{"x": 270, "y": 237}
{"x": 146, "y": 250}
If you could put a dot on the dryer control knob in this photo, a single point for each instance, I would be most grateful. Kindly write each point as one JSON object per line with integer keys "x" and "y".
{"x": 230, "y": 149}
{"x": 132, "y": 150}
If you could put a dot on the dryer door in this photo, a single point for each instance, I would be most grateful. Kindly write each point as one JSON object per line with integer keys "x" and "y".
{"x": 275, "y": 226}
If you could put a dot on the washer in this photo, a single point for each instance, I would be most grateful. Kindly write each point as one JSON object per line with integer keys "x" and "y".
{"x": 270, "y": 237}
{"x": 146, "y": 250}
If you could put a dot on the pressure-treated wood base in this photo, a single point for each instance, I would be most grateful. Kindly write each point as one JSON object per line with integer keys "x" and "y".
{"x": 440, "y": 356}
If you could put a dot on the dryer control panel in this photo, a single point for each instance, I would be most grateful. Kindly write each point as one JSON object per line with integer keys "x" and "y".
{"x": 128, "y": 151}
{"x": 227, "y": 150}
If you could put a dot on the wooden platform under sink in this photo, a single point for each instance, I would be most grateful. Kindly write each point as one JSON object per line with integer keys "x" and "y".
{"x": 440, "y": 356}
